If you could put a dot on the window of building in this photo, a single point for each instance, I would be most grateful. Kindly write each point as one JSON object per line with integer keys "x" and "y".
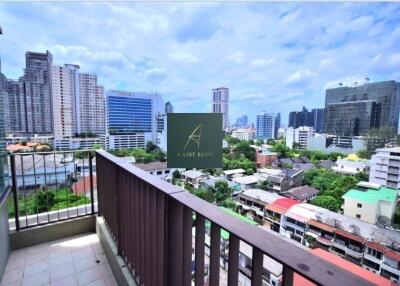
{"x": 358, "y": 216}
{"x": 159, "y": 172}
{"x": 359, "y": 205}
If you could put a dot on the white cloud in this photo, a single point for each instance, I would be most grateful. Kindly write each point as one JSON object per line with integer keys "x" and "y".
{"x": 301, "y": 76}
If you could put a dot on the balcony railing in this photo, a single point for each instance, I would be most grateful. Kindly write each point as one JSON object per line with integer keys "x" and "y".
{"x": 51, "y": 186}
{"x": 152, "y": 223}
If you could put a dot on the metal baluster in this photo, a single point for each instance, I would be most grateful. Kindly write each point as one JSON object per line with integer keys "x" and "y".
{"x": 24, "y": 190}
{"x": 14, "y": 190}
{"x": 55, "y": 174}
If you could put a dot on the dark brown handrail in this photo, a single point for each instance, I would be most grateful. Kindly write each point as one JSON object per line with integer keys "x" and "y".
{"x": 138, "y": 206}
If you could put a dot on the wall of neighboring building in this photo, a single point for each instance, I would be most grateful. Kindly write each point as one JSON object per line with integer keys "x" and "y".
{"x": 367, "y": 212}
{"x": 4, "y": 239}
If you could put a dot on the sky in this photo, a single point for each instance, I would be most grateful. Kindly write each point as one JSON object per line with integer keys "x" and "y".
{"x": 274, "y": 57}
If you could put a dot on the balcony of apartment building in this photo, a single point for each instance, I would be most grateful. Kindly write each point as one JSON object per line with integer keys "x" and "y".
{"x": 348, "y": 244}
{"x": 391, "y": 265}
{"x": 123, "y": 226}
{"x": 394, "y": 163}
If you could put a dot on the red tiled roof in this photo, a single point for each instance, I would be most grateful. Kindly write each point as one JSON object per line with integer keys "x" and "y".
{"x": 349, "y": 235}
{"x": 285, "y": 203}
{"x": 392, "y": 254}
{"x": 321, "y": 225}
{"x": 376, "y": 246}
{"x": 276, "y": 209}
{"x": 349, "y": 266}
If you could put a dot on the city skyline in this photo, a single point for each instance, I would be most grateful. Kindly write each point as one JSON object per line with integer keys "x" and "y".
{"x": 183, "y": 55}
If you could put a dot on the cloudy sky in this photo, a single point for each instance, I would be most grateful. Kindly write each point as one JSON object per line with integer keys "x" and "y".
{"x": 275, "y": 57}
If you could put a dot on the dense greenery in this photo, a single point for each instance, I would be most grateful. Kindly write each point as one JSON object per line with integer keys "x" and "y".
{"x": 332, "y": 186}
{"x": 236, "y": 161}
{"x": 150, "y": 154}
{"x": 46, "y": 201}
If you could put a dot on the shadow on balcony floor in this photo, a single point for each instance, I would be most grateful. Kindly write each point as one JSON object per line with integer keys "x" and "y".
{"x": 77, "y": 260}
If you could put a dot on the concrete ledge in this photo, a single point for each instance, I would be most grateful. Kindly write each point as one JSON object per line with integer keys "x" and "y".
{"x": 53, "y": 231}
{"x": 121, "y": 272}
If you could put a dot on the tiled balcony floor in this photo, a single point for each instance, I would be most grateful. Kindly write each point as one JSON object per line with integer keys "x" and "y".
{"x": 72, "y": 261}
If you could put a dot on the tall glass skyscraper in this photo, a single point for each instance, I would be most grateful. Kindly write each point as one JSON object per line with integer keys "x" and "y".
{"x": 133, "y": 118}
{"x": 265, "y": 127}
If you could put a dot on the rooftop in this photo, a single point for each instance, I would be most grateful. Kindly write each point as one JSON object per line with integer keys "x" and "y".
{"x": 211, "y": 182}
{"x": 301, "y": 193}
{"x": 261, "y": 195}
{"x": 193, "y": 174}
{"x": 247, "y": 180}
{"x": 233, "y": 171}
{"x": 153, "y": 166}
{"x": 372, "y": 196}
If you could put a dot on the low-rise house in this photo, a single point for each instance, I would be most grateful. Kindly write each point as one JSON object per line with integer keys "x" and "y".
{"x": 253, "y": 201}
{"x": 264, "y": 156}
{"x": 247, "y": 182}
{"x": 371, "y": 203}
{"x": 194, "y": 177}
{"x": 158, "y": 169}
{"x": 210, "y": 184}
{"x": 303, "y": 166}
{"x": 276, "y": 209}
{"x": 327, "y": 164}
{"x": 280, "y": 180}
{"x": 229, "y": 174}
{"x": 351, "y": 165}
{"x": 302, "y": 193}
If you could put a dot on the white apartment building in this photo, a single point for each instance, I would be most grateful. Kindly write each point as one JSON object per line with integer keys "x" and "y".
{"x": 385, "y": 167}
{"x": 65, "y": 91}
{"x": 244, "y": 134}
{"x": 91, "y": 116}
{"x": 300, "y": 136}
{"x": 220, "y": 104}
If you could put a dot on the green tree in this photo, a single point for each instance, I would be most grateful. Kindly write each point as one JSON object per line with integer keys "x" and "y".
{"x": 96, "y": 146}
{"x": 244, "y": 148}
{"x": 222, "y": 191}
{"x": 327, "y": 202}
{"x": 205, "y": 194}
{"x": 151, "y": 147}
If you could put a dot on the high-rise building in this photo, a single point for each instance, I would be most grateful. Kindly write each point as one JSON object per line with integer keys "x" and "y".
{"x": 385, "y": 167}
{"x": 220, "y": 104}
{"x": 91, "y": 116}
{"x": 65, "y": 90}
{"x": 265, "y": 126}
{"x": 371, "y": 105}
{"x": 15, "y": 108}
{"x": 318, "y": 119}
{"x": 132, "y": 119}
{"x": 242, "y": 121}
{"x": 37, "y": 89}
{"x": 301, "y": 118}
{"x": 169, "y": 108}
{"x": 353, "y": 118}
{"x": 277, "y": 124}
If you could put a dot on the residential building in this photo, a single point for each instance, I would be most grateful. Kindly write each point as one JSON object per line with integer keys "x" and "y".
{"x": 244, "y": 134}
{"x": 194, "y": 177}
{"x": 76, "y": 143}
{"x": 265, "y": 126}
{"x": 133, "y": 119}
{"x": 234, "y": 173}
{"x": 14, "y": 106}
{"x": 351, "y": 111}
{"x": 298, "y": 137}
{"x": 248, "y": 182}
{"x": 371, "y": 203}
{"x": 351, "y": 165}
{"x": 91, "y": 116}
{"x": 210, "y": 184}
{"x": 385, "y": 167}
{"x": 65, "y": 91}
{"x": 301, "y": 193}
{"x": 280, "y": 180}
{"x": 169, "y": 108}
{"x": 220, "y": 104}
{"x": 158, "y": 169}
{"x": 318, "y": 118}
{"x": 37, "y": 93}
{"x": 264, "y": 156}
{"x": 253, "y": 201}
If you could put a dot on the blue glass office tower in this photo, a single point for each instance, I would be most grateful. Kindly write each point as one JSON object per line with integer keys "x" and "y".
{"x": 132, "y": 119}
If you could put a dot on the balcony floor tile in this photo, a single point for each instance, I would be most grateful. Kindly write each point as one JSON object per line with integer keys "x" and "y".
{"x": 77, "y": 260}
